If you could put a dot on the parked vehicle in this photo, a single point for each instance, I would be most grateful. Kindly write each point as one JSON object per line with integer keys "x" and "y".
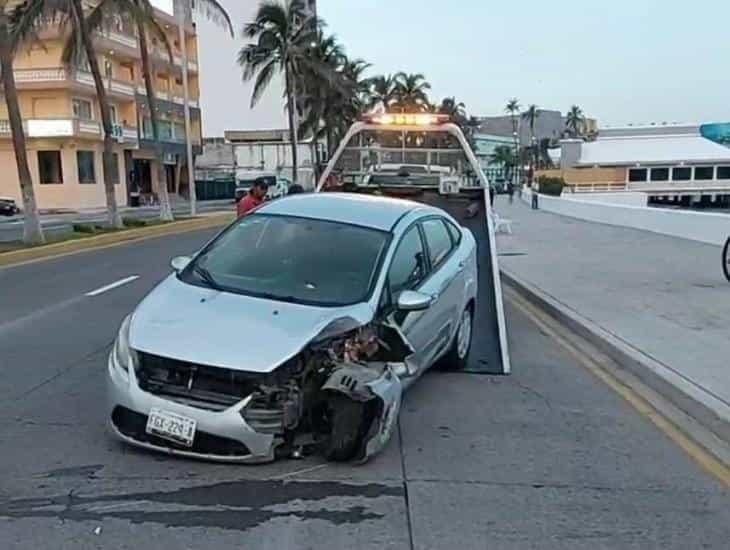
{"x": 278, "y": 187}
{"x": 8, "y": 207}
{"x": 299, "y": 325}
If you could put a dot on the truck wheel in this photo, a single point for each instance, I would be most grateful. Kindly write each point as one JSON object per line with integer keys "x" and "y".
{"x": 458, "y": 355}
{"x": 346, "y": 419}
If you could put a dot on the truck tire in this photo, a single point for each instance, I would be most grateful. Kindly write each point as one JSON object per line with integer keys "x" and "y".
{"x": 346, "y": 419}
{"x": 458, "y": 355}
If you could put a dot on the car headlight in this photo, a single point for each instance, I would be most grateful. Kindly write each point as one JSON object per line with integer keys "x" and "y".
{"x": 124, "y": 356}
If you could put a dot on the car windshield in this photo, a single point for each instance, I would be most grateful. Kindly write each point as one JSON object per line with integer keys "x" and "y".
{"x": 292, "y": 259}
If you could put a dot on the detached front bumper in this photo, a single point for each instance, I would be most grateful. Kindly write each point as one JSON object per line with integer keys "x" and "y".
{"x": 221, "y": 436}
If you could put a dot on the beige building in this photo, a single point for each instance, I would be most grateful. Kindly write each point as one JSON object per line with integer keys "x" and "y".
{"x": 62, "y": 121}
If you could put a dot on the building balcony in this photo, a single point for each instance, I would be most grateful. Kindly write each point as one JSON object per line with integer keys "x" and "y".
{"x": 57, "y": 77}
{"x": 167, "y": 96}
{"x": 69, "y": 127}
{"x": 161, "y": 55}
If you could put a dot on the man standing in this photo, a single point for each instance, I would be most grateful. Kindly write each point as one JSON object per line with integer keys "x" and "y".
{"x": 253, "y": 198}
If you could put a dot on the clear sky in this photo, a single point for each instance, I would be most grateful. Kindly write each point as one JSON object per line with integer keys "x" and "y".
{"x": 621, "y": 61}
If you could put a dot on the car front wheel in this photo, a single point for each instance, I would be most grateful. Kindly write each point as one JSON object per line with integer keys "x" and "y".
{"x": 458, "y": 355}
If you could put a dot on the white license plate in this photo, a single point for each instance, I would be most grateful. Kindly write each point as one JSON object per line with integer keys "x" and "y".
{"x": 174, "y": 427}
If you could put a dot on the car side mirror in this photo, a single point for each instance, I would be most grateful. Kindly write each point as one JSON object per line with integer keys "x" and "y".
{"x": 179, "y": 263}
{"x": 410, "y": 300}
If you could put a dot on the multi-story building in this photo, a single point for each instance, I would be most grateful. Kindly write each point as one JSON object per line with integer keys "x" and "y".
{"x": 62, "y": 120}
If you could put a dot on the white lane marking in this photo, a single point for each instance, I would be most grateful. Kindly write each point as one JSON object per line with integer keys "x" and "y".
{"x": 112, "y": 286}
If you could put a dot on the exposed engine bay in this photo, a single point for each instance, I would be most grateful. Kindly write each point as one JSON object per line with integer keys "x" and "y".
{"x": 339, "y": 396}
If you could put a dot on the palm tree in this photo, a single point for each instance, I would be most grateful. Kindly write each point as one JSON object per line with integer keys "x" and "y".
{"x": 505, "y": 156}
{"x": 513, "y": 108}
{"x": 411, "y": 92}
{"x": 283, "y": 35}
{"x": 382, "y": 91}
{"x": 141, "y": 13}
{"x": 11, "y": 36}
{"x": 455, "y": 110}
{"x": 531, "y": 115}
{"x": 574, "y": 121}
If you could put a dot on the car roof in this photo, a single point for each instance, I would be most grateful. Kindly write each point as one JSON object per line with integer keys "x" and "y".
{"x": 358, "y": 209}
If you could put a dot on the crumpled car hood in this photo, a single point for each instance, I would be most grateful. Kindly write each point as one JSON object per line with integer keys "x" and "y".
{"x": 208, "y": 327}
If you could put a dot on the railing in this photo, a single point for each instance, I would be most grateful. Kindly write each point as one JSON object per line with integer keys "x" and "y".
{"x": 600, "y": 187}
{"x": 114, "y": 86}
{"x": 66, "y": 127}
{"x": 40, "y": 75}
{"x": 123, "y": 39}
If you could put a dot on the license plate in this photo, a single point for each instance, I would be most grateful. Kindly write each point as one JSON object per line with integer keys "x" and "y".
{"x": 174, "y": 427}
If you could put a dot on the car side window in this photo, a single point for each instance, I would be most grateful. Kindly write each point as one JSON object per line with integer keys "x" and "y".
{"x": 455, "y": 232}
{"x": 408, "y": 267}
{"x": 438, "y": 240}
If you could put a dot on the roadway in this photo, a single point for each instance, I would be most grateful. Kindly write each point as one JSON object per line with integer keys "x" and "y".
{"x": 548, "y": 457}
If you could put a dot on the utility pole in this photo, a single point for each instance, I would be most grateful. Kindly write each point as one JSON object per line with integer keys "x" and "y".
{"x": 184, "y": 8}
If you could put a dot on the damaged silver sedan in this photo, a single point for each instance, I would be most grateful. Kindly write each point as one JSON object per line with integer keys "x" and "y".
{"x": 295, "y": 330}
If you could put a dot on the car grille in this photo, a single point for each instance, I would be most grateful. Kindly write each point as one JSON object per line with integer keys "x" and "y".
{"x": 201, "y": 386}
{"x": 133, "y": 424}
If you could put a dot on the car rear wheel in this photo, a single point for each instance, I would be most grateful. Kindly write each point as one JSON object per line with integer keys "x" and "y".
{"x": 458, "y": 355}
{"x": 726, "y": 259}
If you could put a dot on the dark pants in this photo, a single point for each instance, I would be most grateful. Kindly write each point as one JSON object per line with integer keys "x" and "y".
{"x": 534, "y": 200}
{"x": 491, "y": 196}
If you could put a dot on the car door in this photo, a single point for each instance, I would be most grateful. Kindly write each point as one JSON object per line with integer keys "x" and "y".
{"x": 408, "y": 270}
{"x": 445, "y": 284}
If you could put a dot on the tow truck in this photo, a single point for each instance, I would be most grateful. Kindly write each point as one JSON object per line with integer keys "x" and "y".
{"x": 426, "y": 157}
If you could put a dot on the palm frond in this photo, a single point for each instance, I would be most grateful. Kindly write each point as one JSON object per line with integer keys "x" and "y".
{"x": 213, "y": 11}
{"x": 262, "y": 81}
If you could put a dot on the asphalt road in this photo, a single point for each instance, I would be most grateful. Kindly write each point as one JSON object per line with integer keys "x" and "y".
{"x": 545, "y": 458}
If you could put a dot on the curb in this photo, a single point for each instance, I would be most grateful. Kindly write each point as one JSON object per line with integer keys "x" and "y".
{"x": 706, "y": 410}
{"x": 55, "y": 250}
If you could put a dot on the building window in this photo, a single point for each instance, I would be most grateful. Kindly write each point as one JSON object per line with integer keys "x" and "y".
{"x": 82, "y": 109}
{"x": 49, "y": 167}
{"x": 85, "y": 161}
{"x": 723, "y": 172}
{"x": 113, "y": 113}
{"x": 637, "y": 174}
{"x": 704, "y": 172}
{"x": 659, "y": 174}
{"x": 682, "y": 173}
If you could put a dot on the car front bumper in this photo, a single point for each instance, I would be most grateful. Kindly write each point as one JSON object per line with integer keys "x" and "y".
{"x": 221, "y": 436}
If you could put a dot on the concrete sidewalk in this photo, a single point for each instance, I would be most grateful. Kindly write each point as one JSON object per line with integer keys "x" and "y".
{"x": 663, "y": 296}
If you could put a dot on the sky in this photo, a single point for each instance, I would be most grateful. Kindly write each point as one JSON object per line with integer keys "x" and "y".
{"x": 624, "y": 61}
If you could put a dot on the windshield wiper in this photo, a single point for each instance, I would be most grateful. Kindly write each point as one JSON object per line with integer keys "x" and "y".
{"x": 205, "y": 275}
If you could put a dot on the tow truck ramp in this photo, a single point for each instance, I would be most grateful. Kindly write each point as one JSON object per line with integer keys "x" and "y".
{"x": 426, "y": 158}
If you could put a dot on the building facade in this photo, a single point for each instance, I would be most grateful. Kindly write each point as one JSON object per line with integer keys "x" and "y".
{"x": 667, "y": 162}
{"x": 62, "y": 120}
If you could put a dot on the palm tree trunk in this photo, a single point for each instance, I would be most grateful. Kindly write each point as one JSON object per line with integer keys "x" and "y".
{"x": 292, "y": 129}
{"x": 115, "y": 219}
{"x": 165, "y": 208}
{"x": 32, "y": 230}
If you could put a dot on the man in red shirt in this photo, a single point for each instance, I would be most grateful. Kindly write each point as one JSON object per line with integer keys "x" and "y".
{"x": 254, "y": 198}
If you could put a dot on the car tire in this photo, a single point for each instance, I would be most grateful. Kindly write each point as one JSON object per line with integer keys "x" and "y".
{"x": 457, "y": 357}
{"x": 346, "y": 420}
{"x": 726, "y": 259}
